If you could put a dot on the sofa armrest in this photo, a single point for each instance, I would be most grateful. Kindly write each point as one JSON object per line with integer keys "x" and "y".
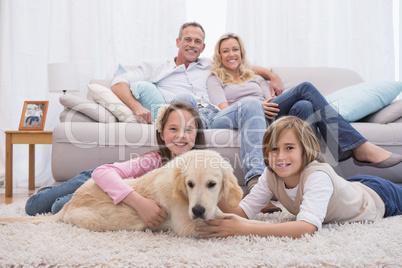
{"x": 389, "y": 114}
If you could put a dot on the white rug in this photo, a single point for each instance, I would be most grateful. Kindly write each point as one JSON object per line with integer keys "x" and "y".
{"x": 369, "y": 244}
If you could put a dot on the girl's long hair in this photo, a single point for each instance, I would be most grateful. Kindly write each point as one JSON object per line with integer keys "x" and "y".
{"x": 165, "y": 153}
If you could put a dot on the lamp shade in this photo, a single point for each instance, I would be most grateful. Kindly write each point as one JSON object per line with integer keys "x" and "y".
{"x": 63, "y": 77}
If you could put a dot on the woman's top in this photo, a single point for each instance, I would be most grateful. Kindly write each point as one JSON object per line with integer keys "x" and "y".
{"x": 231, "y": 93}
{"x": 320, "y": 197}
{"x": 109, "y": 177}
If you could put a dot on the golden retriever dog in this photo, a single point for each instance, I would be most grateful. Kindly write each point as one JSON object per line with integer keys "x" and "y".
{"x": 189, "y": 187}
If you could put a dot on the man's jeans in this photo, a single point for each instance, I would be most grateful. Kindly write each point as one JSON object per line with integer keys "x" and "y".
{"x": 303, "y": 101}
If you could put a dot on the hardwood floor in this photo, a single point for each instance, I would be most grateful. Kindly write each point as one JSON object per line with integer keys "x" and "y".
{"x": 18, "y": 194}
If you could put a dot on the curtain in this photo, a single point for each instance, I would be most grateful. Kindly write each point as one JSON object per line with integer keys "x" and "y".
{"x": 96, "y": 35}
{"x": 355, "y": 34}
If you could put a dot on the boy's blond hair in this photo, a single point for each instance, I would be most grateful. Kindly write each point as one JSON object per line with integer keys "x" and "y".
{"x": 303, "y": 132}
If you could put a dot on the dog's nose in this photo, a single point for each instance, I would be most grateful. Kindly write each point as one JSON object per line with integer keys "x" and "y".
{"x": 198, "y": 211}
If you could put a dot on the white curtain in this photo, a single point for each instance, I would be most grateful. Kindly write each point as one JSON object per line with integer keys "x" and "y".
{"x": 354, "y": 34}
{"x": 94, "y": 34}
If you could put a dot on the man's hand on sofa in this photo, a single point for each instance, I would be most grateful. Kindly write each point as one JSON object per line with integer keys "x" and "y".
{"x": 123, "y": 92}
{"x": 143, "y": 115}
{"x": 275, "y": 85}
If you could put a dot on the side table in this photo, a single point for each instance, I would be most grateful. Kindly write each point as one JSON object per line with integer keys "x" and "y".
{"x": 23, "y": 137}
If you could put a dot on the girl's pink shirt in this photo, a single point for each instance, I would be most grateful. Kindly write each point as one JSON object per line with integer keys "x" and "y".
{"x": 109, "y": 177}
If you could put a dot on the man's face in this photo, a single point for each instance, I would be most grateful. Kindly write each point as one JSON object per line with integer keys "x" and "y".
{"x": 190, "y": 46}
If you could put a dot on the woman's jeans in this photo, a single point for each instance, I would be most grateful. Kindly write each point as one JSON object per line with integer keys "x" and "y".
{"x": 389, "y": 192}
{"x": 52, "y": 200}
{"x": 303, "y": 101}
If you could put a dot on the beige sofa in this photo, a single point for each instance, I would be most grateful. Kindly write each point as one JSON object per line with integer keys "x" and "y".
{"x": 81, "y": 143}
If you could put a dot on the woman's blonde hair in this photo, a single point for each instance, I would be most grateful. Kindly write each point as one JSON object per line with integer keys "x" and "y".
{"x": 221, "y": 72}
{"x": 310, "y": 146}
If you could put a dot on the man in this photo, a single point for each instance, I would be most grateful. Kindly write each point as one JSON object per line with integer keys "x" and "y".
{"x": 184, "y": 78}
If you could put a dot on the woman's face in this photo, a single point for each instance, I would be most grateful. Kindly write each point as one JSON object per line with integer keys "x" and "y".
{"x": 179, "y": 132}
{"x": 231, "y": 54}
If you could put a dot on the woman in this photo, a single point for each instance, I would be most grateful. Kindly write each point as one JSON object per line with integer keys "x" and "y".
{"x": 233, "y": 80}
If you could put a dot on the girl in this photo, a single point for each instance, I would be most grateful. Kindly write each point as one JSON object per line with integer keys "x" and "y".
{"x": 178, "y": 130}
{"x": 306, "y": 187}
{"x": 234, "y": 81}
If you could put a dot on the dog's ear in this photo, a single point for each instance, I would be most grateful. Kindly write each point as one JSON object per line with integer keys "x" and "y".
{"x": 179, "y": 187}
{"x": 231, "y": 189}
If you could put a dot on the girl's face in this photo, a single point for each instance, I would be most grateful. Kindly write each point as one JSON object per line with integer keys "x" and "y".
{"x": 286, "y": 158}
{"x": 231, "y": 54}
{"x": 179, "y": 132}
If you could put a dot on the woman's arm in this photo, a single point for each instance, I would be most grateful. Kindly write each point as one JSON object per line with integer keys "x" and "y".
{"x": 216, "y": 93}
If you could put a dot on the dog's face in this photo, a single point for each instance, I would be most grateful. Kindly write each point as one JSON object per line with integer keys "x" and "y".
{"x": 201, "y": 178}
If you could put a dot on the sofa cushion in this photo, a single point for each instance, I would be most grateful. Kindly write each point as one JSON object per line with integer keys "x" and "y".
{"x": 358, "y": 101}
{"x": 69, "y": 115}
{"x": 106, "y": 98}
{"x": 87, "y": 107}
{"x": 388, "y": 114}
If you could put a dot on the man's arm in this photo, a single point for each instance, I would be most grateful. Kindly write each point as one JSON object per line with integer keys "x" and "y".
{"x": 123, "y": 92}
{"x": 275, "y": 85}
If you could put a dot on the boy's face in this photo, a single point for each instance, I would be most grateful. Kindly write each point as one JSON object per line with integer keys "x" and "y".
{"x": 286, "y": 158}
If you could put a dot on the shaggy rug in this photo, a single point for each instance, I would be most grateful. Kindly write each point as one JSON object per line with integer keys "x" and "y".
{"x": 364, "y": 244}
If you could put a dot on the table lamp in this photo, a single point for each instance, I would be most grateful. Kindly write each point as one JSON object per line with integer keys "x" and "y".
{"x": 63, "y": 77}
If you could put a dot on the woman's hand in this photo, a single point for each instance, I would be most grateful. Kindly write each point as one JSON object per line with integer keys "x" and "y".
{"x": 270, "y": 109}
{"x": 149, "y": 210}
{"x": 229, "y": 226}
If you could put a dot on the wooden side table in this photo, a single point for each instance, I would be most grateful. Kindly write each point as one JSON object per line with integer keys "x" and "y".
{"x": 23, "y": 137}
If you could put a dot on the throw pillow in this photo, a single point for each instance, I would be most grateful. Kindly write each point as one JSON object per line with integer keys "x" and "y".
{"x": 69, "y": 115}
{"x": 358, "y": 101}
{"x": 106, "y": 98}
{"x": 146, "y": 93}
{"x": 389, "y": 114}
{"x": 87, "y": 107}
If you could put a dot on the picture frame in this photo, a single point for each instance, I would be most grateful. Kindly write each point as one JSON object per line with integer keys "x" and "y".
{"x": 33, "y": 115}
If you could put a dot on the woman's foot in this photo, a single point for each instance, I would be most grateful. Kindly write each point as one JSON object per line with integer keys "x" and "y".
{"x": 368, "y": 154}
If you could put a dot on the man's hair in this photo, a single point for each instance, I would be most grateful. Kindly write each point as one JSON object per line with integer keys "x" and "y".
{"x": 310, "y": 146}
{"x": 187, "y": 24}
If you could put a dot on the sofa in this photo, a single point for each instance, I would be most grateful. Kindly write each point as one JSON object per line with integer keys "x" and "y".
{"x": 95, "y": 131}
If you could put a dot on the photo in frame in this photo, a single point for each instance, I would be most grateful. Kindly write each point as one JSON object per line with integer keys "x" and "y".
{"x": 33, "y": 115}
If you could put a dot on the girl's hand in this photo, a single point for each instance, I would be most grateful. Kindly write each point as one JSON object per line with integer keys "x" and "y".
{"x": 270, "y": 109}
{"x": 229, "y": 226}
{"x": 149, "y": 210}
